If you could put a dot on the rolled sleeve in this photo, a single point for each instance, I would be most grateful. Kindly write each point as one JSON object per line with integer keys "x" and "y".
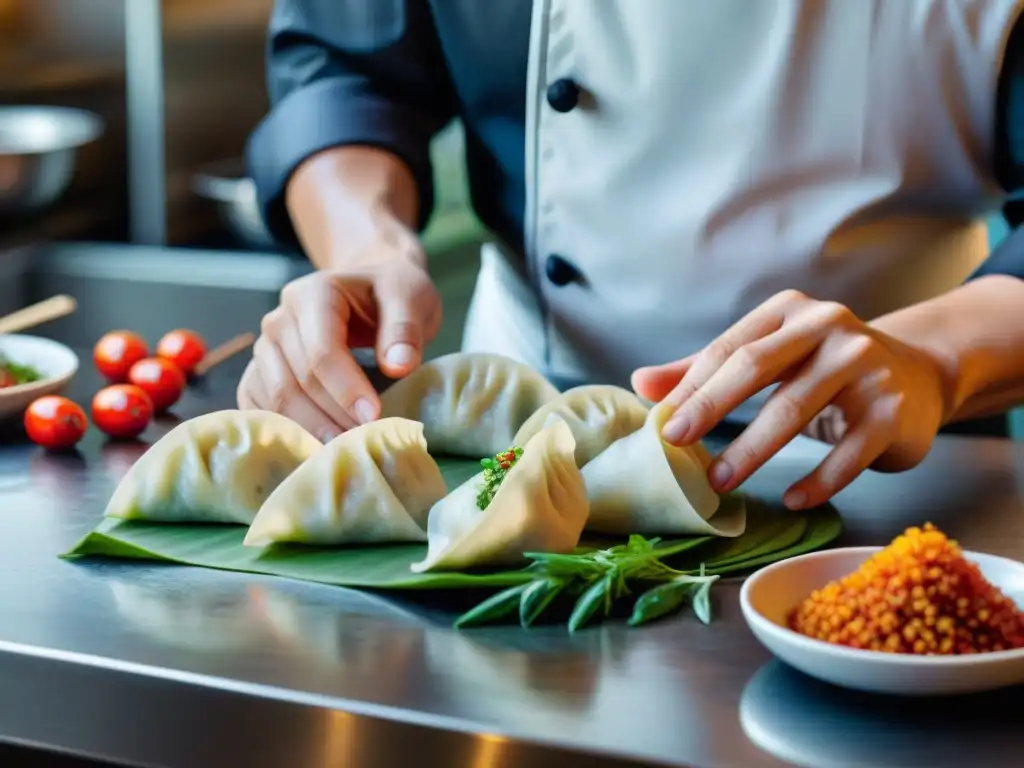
{"x": 1009, "y": 122}
{"x": 393, "y": 93}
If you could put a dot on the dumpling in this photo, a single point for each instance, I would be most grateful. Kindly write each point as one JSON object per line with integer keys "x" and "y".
{"x": 642, "y": 484}
{"x": 539, "y": 506}
{"x": 374, "y": 483}
{"x": 216, "y": 468}
{"x": 470, "y": 404}
{"x": 597, "y": 414}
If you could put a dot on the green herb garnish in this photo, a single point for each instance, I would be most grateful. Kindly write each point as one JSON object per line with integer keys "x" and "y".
{"x": 495, "y": 470}
{"x": 18, "y": 374}
{"x": 597, "y": 579}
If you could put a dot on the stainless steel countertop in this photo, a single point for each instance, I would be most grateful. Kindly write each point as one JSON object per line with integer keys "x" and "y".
{"x": 157, "y": 665}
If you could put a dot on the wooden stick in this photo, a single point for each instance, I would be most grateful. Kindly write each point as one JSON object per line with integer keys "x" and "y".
{"x": 37, "y": 314}
{"x": 224, "y": 351}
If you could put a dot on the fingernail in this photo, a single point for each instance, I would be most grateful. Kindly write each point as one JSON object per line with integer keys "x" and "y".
{"x": 795, "y": 499}
{"x": 363, "y": 410}
{"x": 327, "y": 435}
{"x": 400, "y": 355}
{"x": 676, "y": 428}
{"x": 721, "y": 474}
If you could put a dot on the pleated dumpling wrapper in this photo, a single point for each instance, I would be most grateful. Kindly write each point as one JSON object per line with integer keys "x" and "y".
{"x": 372, "y": 484}
{"x": 642, "y": 484}
{"x": 216, "y": 468}
{"x": 539, "y": 506}
{"x": 472, "y": 404}
{"x": 597, "y": 414}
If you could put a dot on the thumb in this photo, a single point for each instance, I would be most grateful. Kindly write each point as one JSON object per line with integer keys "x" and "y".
{"x": 405, "y": 302}
{"x": 655, "y": 381}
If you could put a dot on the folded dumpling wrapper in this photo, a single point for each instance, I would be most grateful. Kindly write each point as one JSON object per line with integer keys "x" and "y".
{"x": 540, "y": 506}
{"x": 597, "y": 414}
{"x": 471, "y": 404}
{"x": 372, "y": 484}
{"x": 642, "y": 484}
{"x": 215, "y": 468}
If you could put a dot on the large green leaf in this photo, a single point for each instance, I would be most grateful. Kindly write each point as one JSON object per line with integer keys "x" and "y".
{"x": 772, "y": 534}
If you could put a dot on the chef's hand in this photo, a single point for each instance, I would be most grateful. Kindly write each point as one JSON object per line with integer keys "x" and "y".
{"x": 302, "y": 365}
{"x": 878, "y": 400}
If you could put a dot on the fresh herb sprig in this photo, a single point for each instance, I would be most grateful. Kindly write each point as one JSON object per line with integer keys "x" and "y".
{"x": 598, "y": 579}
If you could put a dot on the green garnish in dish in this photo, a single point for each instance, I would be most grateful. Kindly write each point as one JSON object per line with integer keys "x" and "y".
{"x": 495, "y": 470}
{"x": 12, "y": 374}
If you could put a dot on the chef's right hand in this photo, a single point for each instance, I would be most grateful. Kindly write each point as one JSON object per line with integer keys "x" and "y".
{"x": 303, "y": 366}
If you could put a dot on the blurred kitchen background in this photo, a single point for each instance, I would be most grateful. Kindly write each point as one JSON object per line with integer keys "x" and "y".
{"x": 100, "y": 56}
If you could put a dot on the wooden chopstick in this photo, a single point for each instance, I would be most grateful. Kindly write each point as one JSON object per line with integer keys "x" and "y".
{"x": 224, "y": 351}
{"x": 37, "y": 314}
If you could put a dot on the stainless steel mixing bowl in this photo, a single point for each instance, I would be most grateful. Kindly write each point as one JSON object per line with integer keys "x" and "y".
{"x": 227, "y": 185}
{"x": 38, "y": 146}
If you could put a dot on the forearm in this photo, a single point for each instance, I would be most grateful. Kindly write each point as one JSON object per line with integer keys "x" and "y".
{"x": 345, "y": 200}
{"x": 976, "y": 335}
{"x": 350, "y": 123}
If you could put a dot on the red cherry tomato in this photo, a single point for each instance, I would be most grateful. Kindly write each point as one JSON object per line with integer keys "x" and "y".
{"x": 55, "y": 423}
{"x": 117, "y": 352}
{"x": 161, "y": 379}
{"x": 122, "y": 410}
{"x": 183, "y": 348}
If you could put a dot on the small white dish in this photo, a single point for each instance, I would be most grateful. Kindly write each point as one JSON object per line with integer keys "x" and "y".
{"x": 56, "y": 362}
{"x": 770, "y": 594}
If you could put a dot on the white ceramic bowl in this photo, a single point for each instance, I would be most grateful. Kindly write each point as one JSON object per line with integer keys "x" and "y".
{"x": 55, "y": 361}
{"x": 769, "y": 595}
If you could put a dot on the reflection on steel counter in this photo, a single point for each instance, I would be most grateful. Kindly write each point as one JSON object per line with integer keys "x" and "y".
{"x": 172, "y": 611}
{"x": 804, "y": 722}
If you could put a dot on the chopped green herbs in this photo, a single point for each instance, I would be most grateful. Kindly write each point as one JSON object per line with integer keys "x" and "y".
{"x": 12, "y": 374}
{"x": 495, "y": 470}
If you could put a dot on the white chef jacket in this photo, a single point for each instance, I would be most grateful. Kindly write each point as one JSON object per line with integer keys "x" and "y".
{"x": 725, "y": 151}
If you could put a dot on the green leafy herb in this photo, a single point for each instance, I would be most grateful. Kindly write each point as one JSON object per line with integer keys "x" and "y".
{"x": 13, "y": 374}
{"x": 702, "y": 600}
{"x": 495, "y": 470}
{"x": 601, "y": 577}
{"x": 596, "y": 597}
{"x": 537, "y": 596}
{"x": 493, "y": 608}
{"x": 662, "y": 600}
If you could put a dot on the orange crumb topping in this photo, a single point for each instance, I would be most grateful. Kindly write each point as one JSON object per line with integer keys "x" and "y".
{"x": 919, "y": 596}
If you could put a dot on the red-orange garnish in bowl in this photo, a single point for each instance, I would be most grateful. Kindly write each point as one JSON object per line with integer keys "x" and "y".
{"x": 919, "y": 596}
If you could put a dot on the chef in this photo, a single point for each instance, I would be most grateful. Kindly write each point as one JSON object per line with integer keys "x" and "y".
{"x": 755, "y": 209}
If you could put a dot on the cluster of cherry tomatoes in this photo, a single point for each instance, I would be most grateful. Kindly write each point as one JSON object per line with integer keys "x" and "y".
{"x": 140, "y": 385}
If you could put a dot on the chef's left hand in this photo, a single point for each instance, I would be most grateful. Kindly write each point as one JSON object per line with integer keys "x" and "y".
{"x": 879, "y": 401}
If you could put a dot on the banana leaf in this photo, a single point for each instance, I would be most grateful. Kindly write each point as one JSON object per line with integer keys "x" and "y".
{"x": 772, "y": 534}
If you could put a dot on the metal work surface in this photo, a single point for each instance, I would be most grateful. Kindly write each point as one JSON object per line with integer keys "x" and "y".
{"x": 155, "y": 665}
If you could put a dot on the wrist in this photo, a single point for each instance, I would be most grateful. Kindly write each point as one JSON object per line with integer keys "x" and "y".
{"x": 960, "y": 334}
{"x": 348, "y": 202}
